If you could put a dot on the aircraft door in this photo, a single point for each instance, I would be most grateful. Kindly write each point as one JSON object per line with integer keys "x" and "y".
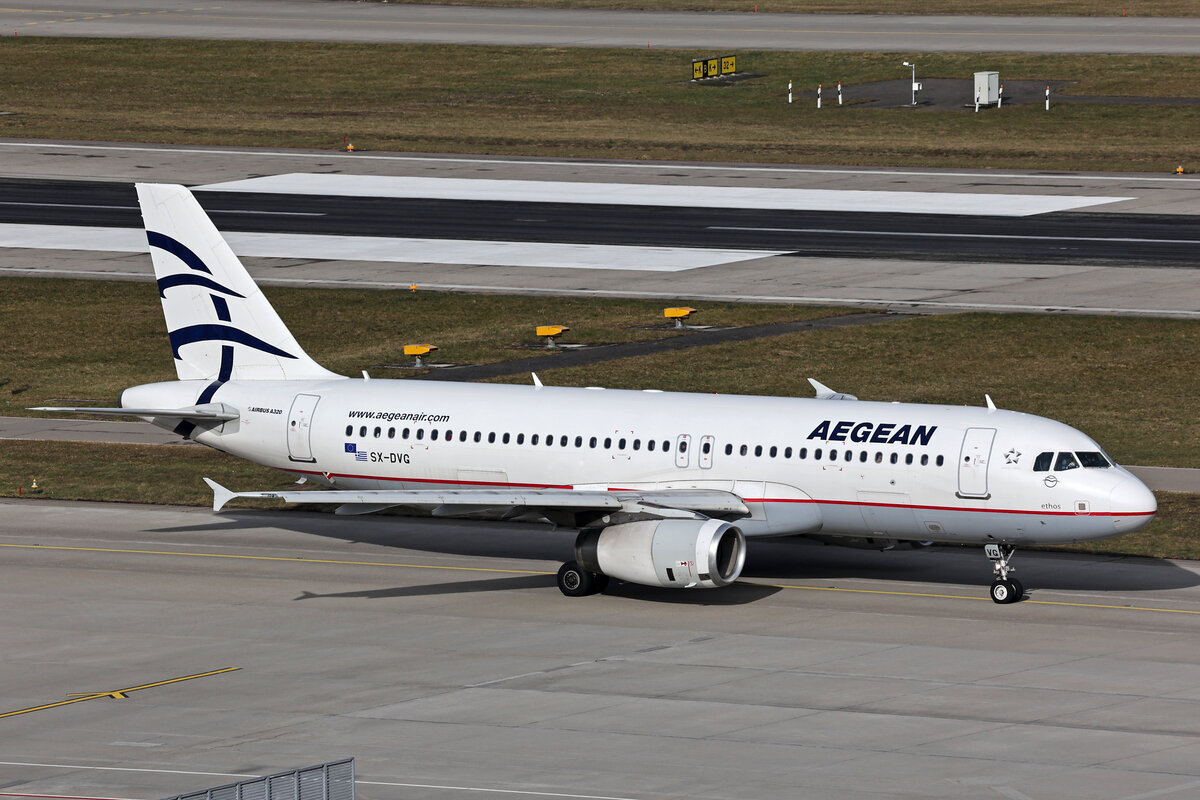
{"x": 705, "y": 458}
{"x": 683, "y": 446}
{"x": 973, "y": 462}
{"x": 299, "y": 433}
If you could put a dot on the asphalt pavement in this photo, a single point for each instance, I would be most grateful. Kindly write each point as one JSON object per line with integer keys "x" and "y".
{"x": 440, "y": 654}
{"x": 409, "y": 23}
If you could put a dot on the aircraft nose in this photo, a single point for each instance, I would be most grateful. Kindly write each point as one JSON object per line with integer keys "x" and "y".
{"x": 1132, "y": 504}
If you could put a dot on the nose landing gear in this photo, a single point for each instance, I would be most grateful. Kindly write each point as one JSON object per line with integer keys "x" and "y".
{"x": 1005, "y": 588}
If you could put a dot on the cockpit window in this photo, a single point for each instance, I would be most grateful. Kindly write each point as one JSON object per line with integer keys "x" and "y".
{"x": 1092, "y": 459}
{"x": 1042, "y": 462}
{"x": 1065, "y": 461}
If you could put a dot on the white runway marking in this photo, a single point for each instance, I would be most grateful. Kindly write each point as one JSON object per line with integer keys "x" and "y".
{"x": 395, "y": 250}
{"x": 638, "y": 194}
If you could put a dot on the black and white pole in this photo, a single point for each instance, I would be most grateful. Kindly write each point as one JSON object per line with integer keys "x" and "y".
{"x": 1047, "y": 98}
{"x": 818, "y": 95}
{"x": 1000, "y": 97}
{"x": 839, "y": 93}
{"x": 977, "y": 100}
{"x": 789, "y": 92}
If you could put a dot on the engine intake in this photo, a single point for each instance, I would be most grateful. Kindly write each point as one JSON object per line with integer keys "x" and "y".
{"x": 672, "y": 552}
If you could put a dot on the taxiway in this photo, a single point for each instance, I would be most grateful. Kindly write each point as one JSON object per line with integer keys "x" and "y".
{"x": 442, "y": 656}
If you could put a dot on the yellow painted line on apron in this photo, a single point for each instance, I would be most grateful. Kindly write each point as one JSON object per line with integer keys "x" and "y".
{"x": 118, "y": 694}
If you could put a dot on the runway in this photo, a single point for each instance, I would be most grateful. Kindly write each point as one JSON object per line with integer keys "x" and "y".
{"x": 414, "y": 224}
{"x": 440, "y": 654}
{"x": 1128, "y": 248}
{"x": 411, "y": 24}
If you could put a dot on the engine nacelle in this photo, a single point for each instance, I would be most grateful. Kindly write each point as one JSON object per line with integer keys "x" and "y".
{"x": 671, "y": 552}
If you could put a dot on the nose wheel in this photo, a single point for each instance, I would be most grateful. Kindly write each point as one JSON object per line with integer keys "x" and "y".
{"x": 1005, "y": 588}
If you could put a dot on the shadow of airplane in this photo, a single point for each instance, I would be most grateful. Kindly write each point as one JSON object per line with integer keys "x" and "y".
{"x": 738, "y": 594}
{"x": 777, "y": 560}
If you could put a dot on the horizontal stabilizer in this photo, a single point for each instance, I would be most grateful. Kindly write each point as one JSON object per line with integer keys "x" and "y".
{"x": 210, "y": 412}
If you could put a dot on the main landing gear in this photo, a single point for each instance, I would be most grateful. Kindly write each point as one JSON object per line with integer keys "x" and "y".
{"x": 575, "y": 581}
{"x": 1005, "y": 588}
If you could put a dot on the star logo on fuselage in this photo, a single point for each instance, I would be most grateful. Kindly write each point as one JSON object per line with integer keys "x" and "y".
{"x": 1013, "y": 456}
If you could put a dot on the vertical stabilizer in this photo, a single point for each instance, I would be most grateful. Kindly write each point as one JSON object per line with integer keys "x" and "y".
{"x": 221, "y": 326}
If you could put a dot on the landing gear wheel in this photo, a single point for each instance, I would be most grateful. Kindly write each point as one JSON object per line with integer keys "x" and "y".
{"x": 1006, "y": 591}
{"x": 1005, "y": 588}
{"x": 575, "y": 581}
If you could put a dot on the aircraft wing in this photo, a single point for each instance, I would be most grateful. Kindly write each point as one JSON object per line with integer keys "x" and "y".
{"x": 456, "y": 502}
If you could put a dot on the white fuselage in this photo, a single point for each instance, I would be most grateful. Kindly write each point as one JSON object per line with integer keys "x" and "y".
{"x": 839, "y": 468}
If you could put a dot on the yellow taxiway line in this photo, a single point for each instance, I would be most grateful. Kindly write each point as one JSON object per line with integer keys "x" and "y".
{"x": 118, "y": 694}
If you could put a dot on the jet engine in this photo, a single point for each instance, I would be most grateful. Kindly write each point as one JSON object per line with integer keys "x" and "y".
{"x": 669, "y": 552}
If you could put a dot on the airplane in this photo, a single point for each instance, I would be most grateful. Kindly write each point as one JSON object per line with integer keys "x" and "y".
{"x": 665, "y": 488}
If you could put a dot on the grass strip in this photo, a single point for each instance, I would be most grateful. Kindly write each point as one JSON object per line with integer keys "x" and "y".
{"x": 579, "y": 102}
{"x": 171, "y": 476}
{"x": 81, "y": 342}
{"x": 1130, "y": 383}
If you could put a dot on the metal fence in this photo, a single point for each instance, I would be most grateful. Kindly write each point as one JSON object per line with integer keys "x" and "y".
{"x": 333, "y": 780}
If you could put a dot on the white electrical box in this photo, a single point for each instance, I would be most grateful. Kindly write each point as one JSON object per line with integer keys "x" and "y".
{"x": 987, "y": 88}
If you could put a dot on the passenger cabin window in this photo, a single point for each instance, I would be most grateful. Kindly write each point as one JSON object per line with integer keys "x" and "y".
{"x": 1042, "y": 462}
{"x": 1092, "y": 459}
{"x": 391, "y": 433}
{"x": 728, "y": 448}
{"x": 362, "y": 431}
{"x": 378, "y": 432}
{"x": 1065, "y": 461}
{"x": 349, "y": 430}
{"x": 420, "y": 433}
